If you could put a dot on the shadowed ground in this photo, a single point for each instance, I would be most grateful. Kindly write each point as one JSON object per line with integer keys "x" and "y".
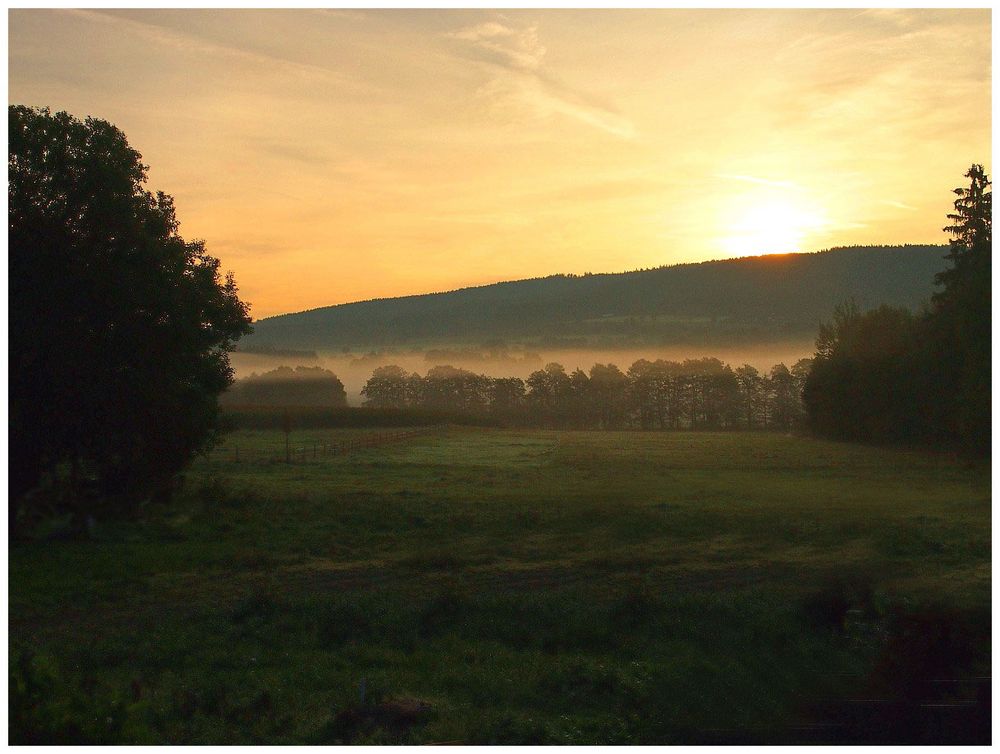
{"x": 488, "y": 586}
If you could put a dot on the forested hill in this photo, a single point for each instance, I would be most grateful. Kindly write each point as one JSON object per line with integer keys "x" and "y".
{"x": 729, "y": 301}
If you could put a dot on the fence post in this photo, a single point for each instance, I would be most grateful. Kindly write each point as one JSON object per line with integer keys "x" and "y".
{"x": 286, "y": 425}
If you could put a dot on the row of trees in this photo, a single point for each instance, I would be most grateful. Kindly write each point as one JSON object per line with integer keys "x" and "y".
{"x": 694, "y": 394}
{"x": 890, "y": 375}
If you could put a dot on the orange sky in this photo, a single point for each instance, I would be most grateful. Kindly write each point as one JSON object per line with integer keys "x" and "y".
{"x": 332, "y": 156}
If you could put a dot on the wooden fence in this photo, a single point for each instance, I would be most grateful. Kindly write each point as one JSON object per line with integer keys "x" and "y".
{"x": 297, "y": 452}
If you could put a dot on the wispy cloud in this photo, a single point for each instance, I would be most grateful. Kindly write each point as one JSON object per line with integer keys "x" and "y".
{"x": 513, "y": 219}
{"x": 515, "y": 56}
{"x": 897, "y": 205}
{"x": 182, "y": 41}
{"x": 505, "y": 46}
{"x": 342, "y": 13}
{"x": 311, "y": 155}
{"x": 899, "y": 89}
{"x": 759, "y": 181}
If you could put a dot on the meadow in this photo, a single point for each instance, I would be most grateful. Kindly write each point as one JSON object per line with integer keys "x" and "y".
{"x": 492, "y": 586}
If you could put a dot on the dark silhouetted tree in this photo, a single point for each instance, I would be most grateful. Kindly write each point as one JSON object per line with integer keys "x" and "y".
{"x": 751, "y": 387}
{"x": 887, "y": 375}
{"x": 547, "y": 392}
{"x": 784, "y": 399}
{"x": 447, "y": 387}
{"x": 387, "y": 388}
{"x": 861, "y": 385}
{"x": 608, "y": 388}
{"x": 581, "y": 411}
{"x": 119, "y": 328}
{"x": 507, "y": 397}
{"x": 800, "y": 372}
{"x": 723, "y": 404}
{"x": 643, "y": 392}
{"x": 959, "y": 325}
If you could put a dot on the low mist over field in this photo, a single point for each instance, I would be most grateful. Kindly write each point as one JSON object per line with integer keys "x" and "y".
{"x": 355, "y": 369}
{"x": 760, "y": 311}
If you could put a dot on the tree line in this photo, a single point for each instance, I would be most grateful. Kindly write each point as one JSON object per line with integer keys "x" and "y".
{"x": 889, "y": 375}
{"x": 651, "y": 395}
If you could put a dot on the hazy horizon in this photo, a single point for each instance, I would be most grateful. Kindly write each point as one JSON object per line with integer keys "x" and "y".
{"x": 337, "y": 156}
{"x": 354, "y": 369}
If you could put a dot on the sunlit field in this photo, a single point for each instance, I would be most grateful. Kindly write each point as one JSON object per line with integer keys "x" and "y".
{"x": 490, "y": 586}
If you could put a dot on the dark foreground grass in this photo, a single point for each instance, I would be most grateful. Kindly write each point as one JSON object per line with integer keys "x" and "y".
{"x": 485, "y": 586}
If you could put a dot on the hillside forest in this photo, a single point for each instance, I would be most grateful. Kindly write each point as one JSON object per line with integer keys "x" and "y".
{"x": 743, "y": 301}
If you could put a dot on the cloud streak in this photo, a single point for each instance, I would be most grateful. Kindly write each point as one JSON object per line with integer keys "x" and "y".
{"x": 759, "y": 181}
{"x": 897, "y": 205}
{"x": 492, "y": 42}
{"x": 516, "y": 58}
{"x": 184, "y": 42}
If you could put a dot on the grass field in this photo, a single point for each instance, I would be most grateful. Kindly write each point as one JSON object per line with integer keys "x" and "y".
{"x": 489, "y": 586}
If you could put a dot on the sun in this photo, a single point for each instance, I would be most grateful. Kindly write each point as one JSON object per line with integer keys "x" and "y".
{"x": 770, "y": 226}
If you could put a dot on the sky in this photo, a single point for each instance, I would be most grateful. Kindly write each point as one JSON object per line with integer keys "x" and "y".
{"x": 328, "y": 156}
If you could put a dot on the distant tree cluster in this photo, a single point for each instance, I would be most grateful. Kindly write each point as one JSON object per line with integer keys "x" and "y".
{"x": 694, "y": 394}
{"x": 284, "y": 386}
{"x": 889, "y": 375}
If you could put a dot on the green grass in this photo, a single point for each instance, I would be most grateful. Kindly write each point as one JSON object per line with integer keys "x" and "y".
{"x": 511, "y": 587}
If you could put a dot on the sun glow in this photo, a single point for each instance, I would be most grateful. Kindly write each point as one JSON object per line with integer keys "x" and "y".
{"x": 771, "y": 226}
{"x": 342, "y": 156}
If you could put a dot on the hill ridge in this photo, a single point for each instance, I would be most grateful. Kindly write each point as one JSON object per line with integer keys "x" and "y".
{"x": 573, "y": 275}
{"x": 742, "y": 298}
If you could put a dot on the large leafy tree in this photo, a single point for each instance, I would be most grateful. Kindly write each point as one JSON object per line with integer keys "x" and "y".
{"x": 386, "y": 388}
{"x": 119, "y": 328}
